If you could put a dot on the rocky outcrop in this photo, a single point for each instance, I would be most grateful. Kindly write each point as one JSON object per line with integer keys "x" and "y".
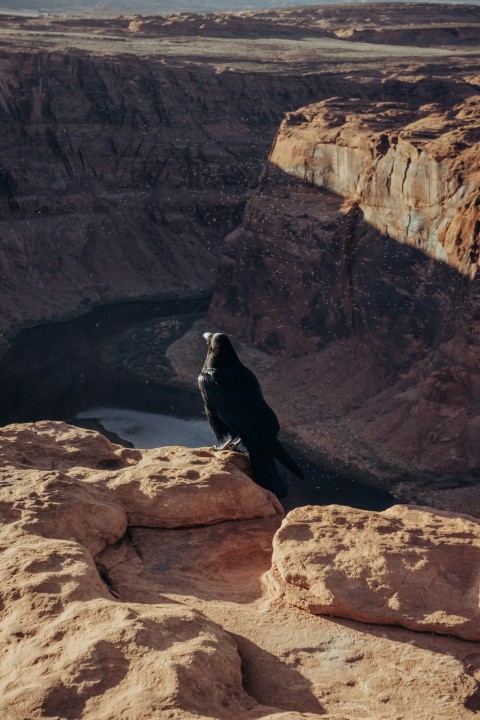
{"x": 100, "y": 615}
{"x": 405, "y": 566}
{"x": 153, "y": 488}
{"x": 395, "y": 177}
{"x": 412, "y": 173}
{"x": 77, "y": 650}
{"x": 359, "y": 252}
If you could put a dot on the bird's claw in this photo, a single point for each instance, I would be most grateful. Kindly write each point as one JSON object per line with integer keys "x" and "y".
{"x": 230, "y": 443}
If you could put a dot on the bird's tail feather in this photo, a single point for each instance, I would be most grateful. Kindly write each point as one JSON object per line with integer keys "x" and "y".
{"x": 282, "y": 456}
{"x": 267, "y": 471}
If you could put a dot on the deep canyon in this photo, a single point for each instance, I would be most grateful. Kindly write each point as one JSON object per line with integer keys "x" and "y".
{"x": 314, "y": 170}
{"x": 132, "y": 147}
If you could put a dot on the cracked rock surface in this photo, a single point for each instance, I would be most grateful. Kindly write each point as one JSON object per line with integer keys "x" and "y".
{"x": 104, "y": 616}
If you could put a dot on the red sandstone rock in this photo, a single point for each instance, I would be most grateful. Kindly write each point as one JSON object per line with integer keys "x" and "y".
{"x": 169, "y": 487}
{"x": 405, "y": 566}
{"x": 175, "y": 622}
{"x": 412, "y": 173}
{"x": 72, "y": 650}
{"x": 66, "y": 494}
{"x": 352, "y": 252}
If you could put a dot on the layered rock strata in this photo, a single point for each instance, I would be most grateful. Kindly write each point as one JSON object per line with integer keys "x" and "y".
{"x": 103, "y": 615}
{"x": 394, "y": 177}
{"x": 412, "y": 173}
{"x": 119, "y": 177}
{"x": 359, "y": 251}
{"x": 129, "y": 144}
{"x": 407, "y": 24}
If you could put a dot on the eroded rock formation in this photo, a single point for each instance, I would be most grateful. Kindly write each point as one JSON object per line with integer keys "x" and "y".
{"x": 132, "y": 585}
{"x": 71, "y": 649}
{"x": 118, "y": 179}
{"x": 360, "y": 251}
{"x": 412, "y": 173}
{"x": 129, "y": 145}
{"x": 406, "y": 566}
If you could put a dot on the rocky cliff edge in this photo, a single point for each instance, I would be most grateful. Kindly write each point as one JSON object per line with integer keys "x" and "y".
{"x": 135, "y": 584}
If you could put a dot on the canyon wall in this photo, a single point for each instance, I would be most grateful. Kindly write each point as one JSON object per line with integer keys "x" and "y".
{"x": 120, "y": 176}
{"x": 357, "y": 196}
{"x": 412, "y": 172}
{"x": 129, "y": 145}
{"x": 366, "y": 224}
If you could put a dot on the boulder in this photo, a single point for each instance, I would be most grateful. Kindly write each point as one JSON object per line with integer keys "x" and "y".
{"x": 102, "y": 487}
{"x": 177, "y": 486}
{"x": 71, "y": 650}
{"x": 414, "y": 567}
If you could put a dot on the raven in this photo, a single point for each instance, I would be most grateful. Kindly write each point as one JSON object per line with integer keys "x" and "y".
{"x": 237, "y": 412}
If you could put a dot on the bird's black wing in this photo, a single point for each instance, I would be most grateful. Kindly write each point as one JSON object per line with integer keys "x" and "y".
{"x": 236, "y": 399}
{"x": 221, "y": 430}
{"x": 240, "y": 406}
{"x": 267, "y": 471}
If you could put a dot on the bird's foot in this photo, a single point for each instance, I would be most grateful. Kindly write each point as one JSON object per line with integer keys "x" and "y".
{"x": 230, "y": 443}
{"x": 235, "y": 445}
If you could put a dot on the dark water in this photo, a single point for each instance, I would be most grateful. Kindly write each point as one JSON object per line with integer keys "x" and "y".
{"x": 53, "y": 372}
{"x": 56, "y": 371}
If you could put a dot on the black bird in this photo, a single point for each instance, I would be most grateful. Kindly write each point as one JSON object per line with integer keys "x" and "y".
{"x": 237, "y": 412}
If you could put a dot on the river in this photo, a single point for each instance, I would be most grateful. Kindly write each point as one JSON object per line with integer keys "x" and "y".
{"x": 64, "y": 371}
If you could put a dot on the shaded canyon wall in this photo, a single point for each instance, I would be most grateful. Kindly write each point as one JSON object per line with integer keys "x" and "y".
{"x": 359, "y": 251}
{"x": 120, "y": 176}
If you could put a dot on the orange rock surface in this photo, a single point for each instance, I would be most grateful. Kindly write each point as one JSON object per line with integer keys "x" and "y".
{"x": 405, "y": 566}
{"x": 412, "y": 172}
{"x": 179, "y": 622}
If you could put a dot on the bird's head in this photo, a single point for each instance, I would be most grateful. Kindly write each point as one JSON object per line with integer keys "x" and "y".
{"x": 219, "y": 349}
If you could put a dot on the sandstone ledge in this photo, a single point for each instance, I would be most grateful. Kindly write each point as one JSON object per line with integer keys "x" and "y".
{"x": 405, "y": 566}
{"x": 71, "y": 649}
{"x": 120, "y": 487}
{"x": 173, "y": 622}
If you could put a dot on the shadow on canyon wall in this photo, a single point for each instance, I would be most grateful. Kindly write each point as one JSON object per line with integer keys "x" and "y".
{"x": 122, "y": 175}
{"x": 368, "y": 329}
{"x": 318, "y": 272}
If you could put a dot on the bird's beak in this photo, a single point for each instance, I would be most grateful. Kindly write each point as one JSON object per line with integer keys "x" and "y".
{"x": 207, "y": 336}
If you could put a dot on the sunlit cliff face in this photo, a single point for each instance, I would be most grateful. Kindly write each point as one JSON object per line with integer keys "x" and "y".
{"x": 356, "y": 264}
{"x": 365, "y": 224}
{"x": 413, "y": 174}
